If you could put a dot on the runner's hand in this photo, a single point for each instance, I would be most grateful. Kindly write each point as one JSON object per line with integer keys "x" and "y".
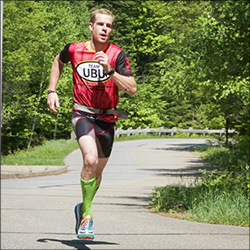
{"x": 53, "y": 100}
{"x": 103, "y": 60}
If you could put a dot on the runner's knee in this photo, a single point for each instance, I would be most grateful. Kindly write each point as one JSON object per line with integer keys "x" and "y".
{"x": 90, "y": 161}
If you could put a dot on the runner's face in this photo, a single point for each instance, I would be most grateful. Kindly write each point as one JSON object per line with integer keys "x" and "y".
{"x": 102, "y": 28}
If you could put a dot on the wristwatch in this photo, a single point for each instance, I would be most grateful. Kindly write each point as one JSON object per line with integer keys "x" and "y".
{"x": 111, "y": 72}
{"x": 51, "y": 91}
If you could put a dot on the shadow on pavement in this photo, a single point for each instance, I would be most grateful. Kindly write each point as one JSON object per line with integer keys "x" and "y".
{"x": 193, "y": 170}
{"x": 181, "y": 147}
{"x": 127, "y": 205}
{"x": 76, "y": 244}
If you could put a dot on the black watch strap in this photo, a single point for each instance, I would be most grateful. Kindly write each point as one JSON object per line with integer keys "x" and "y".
{"x": 51, "y": 91}
{"x": 111, "y": 72}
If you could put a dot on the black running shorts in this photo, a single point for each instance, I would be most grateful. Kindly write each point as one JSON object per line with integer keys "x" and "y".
{"x": 103, "y": 132}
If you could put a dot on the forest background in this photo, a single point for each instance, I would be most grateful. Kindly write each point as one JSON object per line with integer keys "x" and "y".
{"x": 189, "y": 58}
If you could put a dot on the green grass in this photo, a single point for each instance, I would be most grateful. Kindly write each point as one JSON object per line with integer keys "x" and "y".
{"x": 50, "y": 153}
{"x": 156, "y": 136}
{"x": 197, "y": 203}
{"x": 229, "y": 208}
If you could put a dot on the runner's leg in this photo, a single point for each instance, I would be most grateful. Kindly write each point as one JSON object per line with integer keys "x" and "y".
{"x": 88, "y": 177}
{"x": 88, "y": 147}
{"x": 102, "y": 162}
{"x": 89, "y": 186}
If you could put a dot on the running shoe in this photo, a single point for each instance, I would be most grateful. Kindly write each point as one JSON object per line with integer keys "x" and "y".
{"x": 85, "y": 231}
{"x": 78, "y": 215}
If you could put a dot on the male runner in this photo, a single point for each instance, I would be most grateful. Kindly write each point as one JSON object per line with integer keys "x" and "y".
{"x": 99, "y": 70}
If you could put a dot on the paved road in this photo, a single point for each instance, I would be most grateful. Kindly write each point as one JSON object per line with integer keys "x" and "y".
{"x": 37, "y": 213}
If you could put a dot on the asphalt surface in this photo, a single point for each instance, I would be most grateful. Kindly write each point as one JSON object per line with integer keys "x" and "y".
{"x": 37, "y": 212}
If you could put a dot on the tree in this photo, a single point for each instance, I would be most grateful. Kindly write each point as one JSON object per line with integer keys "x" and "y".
{"x": 34, "y": 32}
{"x": 225, "y": 49}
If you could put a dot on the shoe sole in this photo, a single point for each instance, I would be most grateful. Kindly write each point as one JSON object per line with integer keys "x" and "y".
{"x": 86, "y": 237}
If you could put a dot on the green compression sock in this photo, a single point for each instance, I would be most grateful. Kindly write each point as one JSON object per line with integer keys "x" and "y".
{"x": 96, "y": 188}
{"x": 88, "y": 192}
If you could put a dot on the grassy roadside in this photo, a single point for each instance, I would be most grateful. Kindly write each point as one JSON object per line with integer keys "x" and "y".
{"x": 50, "y": 153}
{"x": 222, "y": 195}
{"x": 156, "y": 136}
{"x": 199, "y": 204}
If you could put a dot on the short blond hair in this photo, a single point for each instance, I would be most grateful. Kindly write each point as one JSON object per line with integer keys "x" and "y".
{"x": 101, "y": 11}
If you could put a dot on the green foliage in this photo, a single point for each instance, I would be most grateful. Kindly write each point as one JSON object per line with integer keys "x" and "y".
{"x": 225, "y": 61}
{"x": 233, "y": 170}
{"x": 177, "y": 198}
{"x": 190, "y": 60}
{"x": 144, "y": 109}
{"x": 34, "y": 33}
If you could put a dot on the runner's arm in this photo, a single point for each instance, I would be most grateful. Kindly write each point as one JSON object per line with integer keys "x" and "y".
{"x": 126, "y": 84}
{"x": 55, "y": 74}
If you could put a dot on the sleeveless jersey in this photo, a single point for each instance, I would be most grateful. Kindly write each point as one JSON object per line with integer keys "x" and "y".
{"x": 92, "y": 87}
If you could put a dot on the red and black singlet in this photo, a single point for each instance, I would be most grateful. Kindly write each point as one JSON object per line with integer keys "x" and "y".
{"x": 92, "y": 87}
